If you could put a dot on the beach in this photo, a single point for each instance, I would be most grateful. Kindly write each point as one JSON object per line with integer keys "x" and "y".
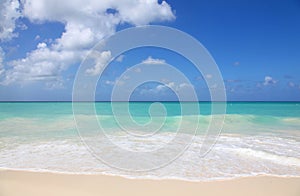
{"x": 149, "y": 97}
{"x": 36, "y": 183}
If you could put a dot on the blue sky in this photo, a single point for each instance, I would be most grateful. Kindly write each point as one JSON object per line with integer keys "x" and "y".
{"x": 256, "y": 45}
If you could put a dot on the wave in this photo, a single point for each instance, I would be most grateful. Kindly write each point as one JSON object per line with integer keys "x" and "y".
{"x": 233, "y": 156}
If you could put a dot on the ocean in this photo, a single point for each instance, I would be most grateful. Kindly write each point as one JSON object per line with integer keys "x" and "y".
{"x": 257, "y": 138}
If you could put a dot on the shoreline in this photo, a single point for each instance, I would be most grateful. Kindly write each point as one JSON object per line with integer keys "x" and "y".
{"x": 221, "y": 179}
{"x": 27, "y": 183}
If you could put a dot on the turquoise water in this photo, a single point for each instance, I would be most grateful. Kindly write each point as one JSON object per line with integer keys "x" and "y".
{"x": 256, "y": 138}
{"x": 33, "y": 109}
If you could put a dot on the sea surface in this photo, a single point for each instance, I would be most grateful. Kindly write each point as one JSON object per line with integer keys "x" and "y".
{"x": 257, "y": 138}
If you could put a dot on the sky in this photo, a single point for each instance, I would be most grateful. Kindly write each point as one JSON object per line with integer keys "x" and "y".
{"x": 255, "y": 44}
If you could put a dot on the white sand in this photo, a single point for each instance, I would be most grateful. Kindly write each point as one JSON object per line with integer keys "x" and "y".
{"x": 21, "y": 183}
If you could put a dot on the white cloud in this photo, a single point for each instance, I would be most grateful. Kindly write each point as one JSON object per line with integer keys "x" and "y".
{"x": 1, "y": 61}
{"x": 161, "y": 88}
{"x": 139, "y": 12}
{"x": 232, "y": 81}
{"x": 41, "y": 45}
{"x": 208, "y": 76}
{"x": 76, "y": 37}
{"x": 213, "y": 86}
{"x": 57, "y": 83}
{"x": 37, "y": 37}
{"x": 86, "y": 23}
{"x": 9, "y": 13}
{"x": 182, "y": 85}
{"x": 291, "y": 84}
{"x": 269, "y": 81}
{"x": 109, "y": 82}
{"x": 126, "y": 77}
{"x": 120, "y": 58}
{"x": 237, "y": 63}
{"x": 138, "y": 70}
{"x": 120, "y": 82}
{"x": 42, "y": 63}
{"x": 151, "y": 61}
{"x": 101, "y": 59}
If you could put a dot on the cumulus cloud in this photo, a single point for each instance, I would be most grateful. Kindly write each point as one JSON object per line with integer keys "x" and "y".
{"x": 139, "y": 12}
{"x": 101, "y": 59}
{"x": 269, "y": 81}
{"x": 151, "y": 61}
{"x": 9, "y": 13}
{"x": 136, "y": 12}
{"x": 161, "y": 88}
{"x": 85, "y": 23}
{"x": 42, "y": 63}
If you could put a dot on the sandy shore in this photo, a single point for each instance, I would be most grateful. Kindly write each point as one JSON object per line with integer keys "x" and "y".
{"x": 33, "y": 183}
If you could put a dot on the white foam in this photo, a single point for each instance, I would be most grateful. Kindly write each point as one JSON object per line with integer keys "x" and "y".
{"x": 233, "y": 156}
{"x": 254, "y": 154}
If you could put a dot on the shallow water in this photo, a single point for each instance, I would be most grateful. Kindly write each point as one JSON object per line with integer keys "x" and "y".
{"x": 257, "y": 138}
